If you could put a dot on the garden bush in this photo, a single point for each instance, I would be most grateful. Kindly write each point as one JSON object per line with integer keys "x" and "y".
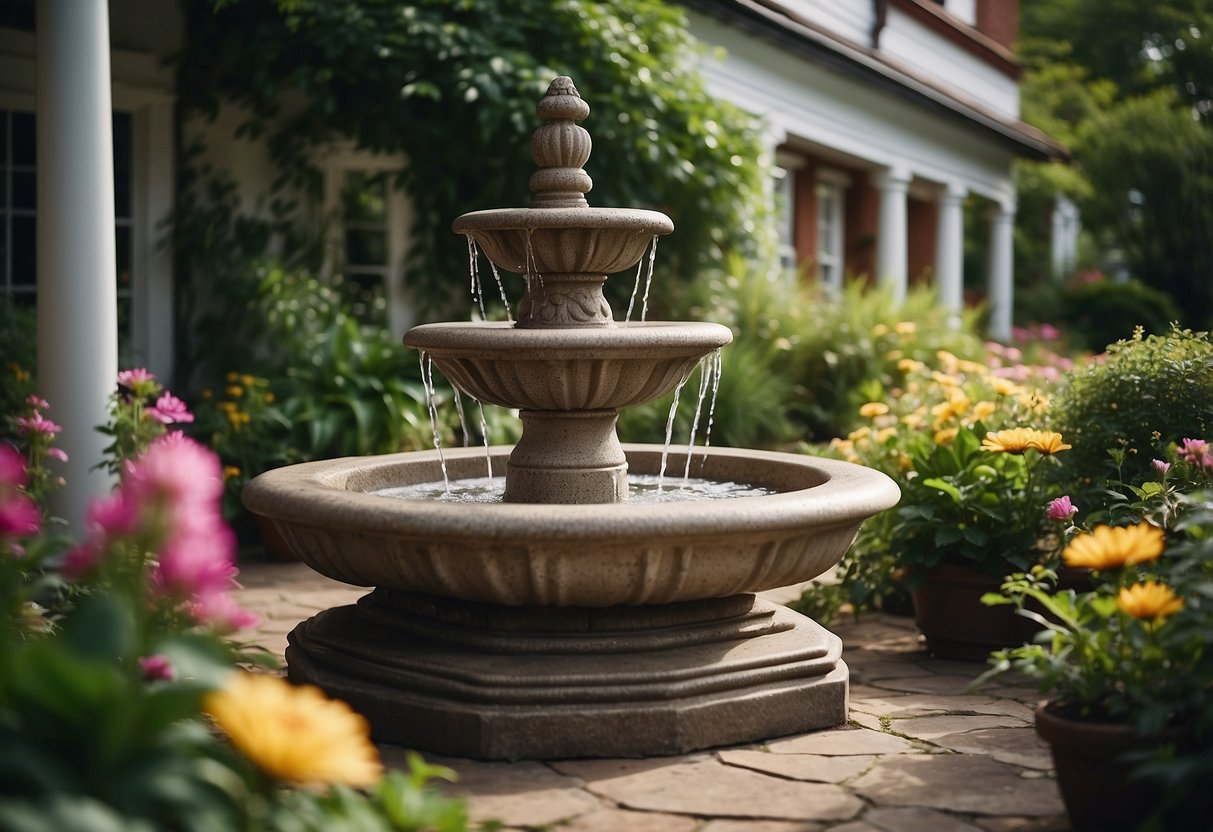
{"x": 1100, "y": 312}
{"x": 1150, "y": 392}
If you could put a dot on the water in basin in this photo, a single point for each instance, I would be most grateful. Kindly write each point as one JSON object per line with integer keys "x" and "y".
{"x": 642, "y": 488}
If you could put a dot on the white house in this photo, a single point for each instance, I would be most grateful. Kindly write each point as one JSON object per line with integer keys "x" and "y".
{"x": 885, "y": 116}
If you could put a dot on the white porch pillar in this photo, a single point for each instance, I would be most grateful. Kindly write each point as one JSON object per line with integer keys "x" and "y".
{"x": 949, "y": 249}
{"x": 1002, "y": 268}
{"x": 77, "y": 292}
{"x": 892, "y": 267}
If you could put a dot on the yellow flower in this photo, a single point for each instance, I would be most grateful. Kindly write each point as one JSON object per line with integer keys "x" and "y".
{"x": 945, "y": 436}
{"x": 235, "y": 391}
{"x": 269, "y": 397}
{"x": 905, "y": 328}
{"x": 859, "y": 433}
{"x": 1111, "y": 547}
{"x": 1003, "y": 386}
{"x": 1149, "y": 600}
{"x": 909, "y": 365}
{"x": 295, "y": 734}
{"x": 972, "y": 367}
{"x": 879, "y": 330}
{"x": 248, "y": 381}
{"x": 873, "y": 409}
{"x": 233, "y": 377}
{"x": 884, "y": 435}
{"x": 1018, "y": 440}
{"x": 984, "y": 410}
{"x": 230, "y": 471}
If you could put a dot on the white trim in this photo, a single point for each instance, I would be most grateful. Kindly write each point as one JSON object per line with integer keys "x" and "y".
{"x": 831, "y": 263}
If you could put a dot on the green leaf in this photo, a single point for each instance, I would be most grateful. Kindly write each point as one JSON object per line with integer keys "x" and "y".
{"x": 944, "y": 486}
{"x": 101, "y": 627}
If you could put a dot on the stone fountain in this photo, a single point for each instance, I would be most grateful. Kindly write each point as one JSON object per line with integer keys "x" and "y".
{"x": 568, "y": 620}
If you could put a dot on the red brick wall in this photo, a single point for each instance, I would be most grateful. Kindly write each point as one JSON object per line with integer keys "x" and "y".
{"x": 999, "y": 19}
{"x": 921, "y": 218}
{"x": 862, "y": 215}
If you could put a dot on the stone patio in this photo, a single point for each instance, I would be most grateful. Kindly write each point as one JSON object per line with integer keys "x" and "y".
{"x": 922, "y": 752}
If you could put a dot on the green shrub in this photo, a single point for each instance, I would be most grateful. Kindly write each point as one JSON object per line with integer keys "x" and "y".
{"x": 18, "y": 339}
{"x": 1151, "y": 391}
{"x": 1102, "y": 312}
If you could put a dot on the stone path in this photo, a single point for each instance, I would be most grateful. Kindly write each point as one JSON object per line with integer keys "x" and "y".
{"x": 922, "y": 752}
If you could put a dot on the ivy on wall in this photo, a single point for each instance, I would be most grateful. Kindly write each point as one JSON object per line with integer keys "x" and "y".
{"x": 452, "y": 85}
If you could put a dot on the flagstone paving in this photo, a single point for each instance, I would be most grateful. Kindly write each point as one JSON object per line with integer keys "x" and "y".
{"x": 923, "y": 751}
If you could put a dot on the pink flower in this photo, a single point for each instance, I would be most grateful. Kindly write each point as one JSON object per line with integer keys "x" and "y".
{"x": 220, "y": 611}
{"x": 36, "y": 424}
{"x": 139, "y": 381}
{"x": 169, "y": 409}
{"x": 1196, "y": 451}
{"x": 196, "y": 561}
{"x": 178, "y": 470}
{"x": 1060, "y": 509}
{"x": 114, "y": 516}
{"x": 156, "y": 668}
{"x": 1048, "y": 332}
{"x": 37, "y": 402}
{"x": 12, "y": 466}
{"x": 1160, "y": 466}
{"x": 57, "y": 453}
{"x": 19, "y": 515}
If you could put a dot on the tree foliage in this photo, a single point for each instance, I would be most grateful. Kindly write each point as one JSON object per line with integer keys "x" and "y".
{"x": 1128, "y": 86}
{"x": 452, "y": 85}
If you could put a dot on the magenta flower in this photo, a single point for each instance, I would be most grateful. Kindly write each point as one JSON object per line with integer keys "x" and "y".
{"x": 36, "y": 424}
{"x": 57, "y": 453}
{"x": 196, "y": 561}
{"x": 156, "y": 668}
{"x": 170, "y": 409}
{"x": 80, "y": 560}
{"x": 1060, "y": 509}
{"x": 178, "y": 470}
{"x": 37, "y": 402}
{"x": 19, "y": 515}
{"x": 1160, "y": 466}
{"x": 12, "y": 466}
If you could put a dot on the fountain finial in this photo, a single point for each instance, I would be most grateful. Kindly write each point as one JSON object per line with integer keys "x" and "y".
{"x": 560, "y": 148}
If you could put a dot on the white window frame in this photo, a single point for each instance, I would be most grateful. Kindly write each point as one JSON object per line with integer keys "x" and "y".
{"x": 337, "y": 162}
{"x": 143, "y": 89}
{"x": 830, "y": 257}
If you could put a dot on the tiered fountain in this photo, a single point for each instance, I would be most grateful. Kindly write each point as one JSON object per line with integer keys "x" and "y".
{"x": 568, "y": 620}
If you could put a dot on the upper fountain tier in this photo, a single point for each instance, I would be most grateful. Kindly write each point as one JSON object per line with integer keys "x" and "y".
{"x": 565, "y": 364}
{"x": 563, "y": 246}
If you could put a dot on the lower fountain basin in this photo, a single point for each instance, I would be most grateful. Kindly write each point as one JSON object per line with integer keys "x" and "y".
{"x": 572, "y": 555}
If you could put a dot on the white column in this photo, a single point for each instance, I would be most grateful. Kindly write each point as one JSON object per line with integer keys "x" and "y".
{"x": 949, "y": 249}
{"x": 152, "y": 307}
{"x": 892, "y": 268}
{"x": 1001, "y": 268}
{"x": 77, "y": 293}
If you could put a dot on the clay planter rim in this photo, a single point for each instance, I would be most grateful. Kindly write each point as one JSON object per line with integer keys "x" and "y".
{"x": 1102, "y": 740}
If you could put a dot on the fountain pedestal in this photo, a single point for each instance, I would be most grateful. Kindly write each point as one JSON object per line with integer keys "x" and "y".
{"x": 492, "y": 682}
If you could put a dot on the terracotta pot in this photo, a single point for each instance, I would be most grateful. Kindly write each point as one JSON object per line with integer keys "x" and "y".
{"x": 1095, "y": 782}
{"x": 956, "y": 624}
{"x": 276, "y": 547}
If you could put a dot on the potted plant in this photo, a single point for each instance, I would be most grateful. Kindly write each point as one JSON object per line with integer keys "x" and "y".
{"x": 959, "y": 438}
{"x": 1127, "y": 667}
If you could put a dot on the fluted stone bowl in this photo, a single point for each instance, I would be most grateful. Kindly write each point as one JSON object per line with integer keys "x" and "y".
{"x": 567, "y": 369}
{"x": 572, "y": 555}
{"x": 564, "y": 240}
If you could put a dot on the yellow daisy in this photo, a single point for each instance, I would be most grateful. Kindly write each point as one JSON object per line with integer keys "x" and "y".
{"x": 1018, "y": 440}
{"x": 1111, "y": 547}
{"x": 295, "y": 734}
{"x": 1149, "y": 600}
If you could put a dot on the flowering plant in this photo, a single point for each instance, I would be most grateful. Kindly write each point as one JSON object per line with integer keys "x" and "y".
{"x": 972, "y": 481}
{"x": 121, "y": 708}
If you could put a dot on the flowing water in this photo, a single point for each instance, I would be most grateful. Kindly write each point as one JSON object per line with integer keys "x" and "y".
{"x": 642, "y": 488}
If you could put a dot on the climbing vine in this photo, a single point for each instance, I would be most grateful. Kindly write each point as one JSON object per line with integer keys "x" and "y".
{"x": 452, "y": 84}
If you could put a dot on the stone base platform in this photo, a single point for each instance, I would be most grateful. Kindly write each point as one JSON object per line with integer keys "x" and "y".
{"x": 493, "y": 682}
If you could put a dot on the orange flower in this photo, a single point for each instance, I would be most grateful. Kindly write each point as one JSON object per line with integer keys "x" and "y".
{"x": 1018, "y": 440}
{"x": 1111, "y": 547}
{"x": 1149, "y": 600}
{"x": 873, "y": 409}
{"x": 295, "y": 734}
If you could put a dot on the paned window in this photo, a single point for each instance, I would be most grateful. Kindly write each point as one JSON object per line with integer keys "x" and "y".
{"x": 19, "y": 211}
